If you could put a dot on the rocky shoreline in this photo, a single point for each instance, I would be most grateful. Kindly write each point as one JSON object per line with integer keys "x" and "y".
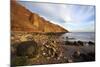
{"x": 33, "y": 49}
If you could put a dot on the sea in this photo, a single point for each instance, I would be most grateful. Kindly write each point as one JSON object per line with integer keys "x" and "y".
{"x": 79, "y": 36}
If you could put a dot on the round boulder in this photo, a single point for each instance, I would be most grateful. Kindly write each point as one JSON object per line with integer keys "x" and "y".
{"x": 27, "y": 48}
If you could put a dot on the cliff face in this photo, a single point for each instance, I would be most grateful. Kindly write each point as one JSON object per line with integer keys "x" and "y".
{"x": 24, "y": 20}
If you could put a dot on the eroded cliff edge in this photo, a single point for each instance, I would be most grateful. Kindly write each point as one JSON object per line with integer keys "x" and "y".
{"x": 24, "y": 20}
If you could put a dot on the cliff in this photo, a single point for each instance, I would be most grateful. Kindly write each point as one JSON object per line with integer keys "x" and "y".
{"x": 24, "y": 20}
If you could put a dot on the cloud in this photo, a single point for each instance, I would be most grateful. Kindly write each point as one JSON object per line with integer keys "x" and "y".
{"x": 73, "y": 17}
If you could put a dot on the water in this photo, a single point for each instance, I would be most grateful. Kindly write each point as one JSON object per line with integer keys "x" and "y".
{"x": 82, "y": 36}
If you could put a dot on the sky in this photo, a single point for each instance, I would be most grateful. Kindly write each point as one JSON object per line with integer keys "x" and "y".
{"x": 75, "y": 18}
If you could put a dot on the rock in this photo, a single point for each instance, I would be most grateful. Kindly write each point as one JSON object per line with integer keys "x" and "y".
{"x": 27, "y": 48}
{"x": 76, "y": 54}
{"x": 48, "y": 51}
{"x": 91, "y": 43}
{"x": 70, "y": 61}
{"x": 80, "y": 43}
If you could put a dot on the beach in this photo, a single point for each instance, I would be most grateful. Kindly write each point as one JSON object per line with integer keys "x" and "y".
{"x": 29, "y": 48}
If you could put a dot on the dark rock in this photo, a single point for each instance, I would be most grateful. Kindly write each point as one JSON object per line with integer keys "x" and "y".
{"x": 27, "y": 48}
{"x": 84, "y": 57}
{"x": 80, "y": 43}
{"x": 91, "y": 43}
{"x": 75, "y": 43}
